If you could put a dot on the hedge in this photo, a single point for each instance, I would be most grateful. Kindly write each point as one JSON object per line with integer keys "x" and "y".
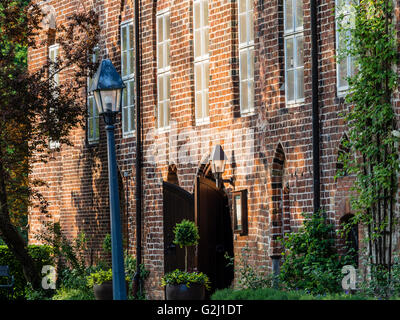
{"x": 273, "y": 294}
{"x": 42, "y": 255}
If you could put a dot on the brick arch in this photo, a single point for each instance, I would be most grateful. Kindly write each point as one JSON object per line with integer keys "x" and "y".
{"x": 280, "y": 219}
{"x": 172, "y": 175}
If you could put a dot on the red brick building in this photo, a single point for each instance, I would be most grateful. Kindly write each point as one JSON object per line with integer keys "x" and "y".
{"x": 230, "y": 72}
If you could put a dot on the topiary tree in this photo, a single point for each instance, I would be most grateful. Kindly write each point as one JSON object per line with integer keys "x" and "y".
{"x": 186, "y": 234}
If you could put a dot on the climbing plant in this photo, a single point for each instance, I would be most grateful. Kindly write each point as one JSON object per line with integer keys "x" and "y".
{"x": 372, "y": 139}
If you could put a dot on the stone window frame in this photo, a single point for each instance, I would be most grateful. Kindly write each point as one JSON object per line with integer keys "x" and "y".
{"x": 128, "y": 76}
{"x": 348, "y": 61}
{"x": 53, "y": 54}
{"x": 297, "y": 67}
{"x": 246, "y": 52}
{"x": 201, "y": 61}
{"x": 164, "y": 71}
{"x": 93, "y": 118}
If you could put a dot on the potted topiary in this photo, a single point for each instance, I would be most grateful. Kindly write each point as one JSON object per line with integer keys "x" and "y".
{"x": 101, "y": 282}
{"x": 184, "y": 285}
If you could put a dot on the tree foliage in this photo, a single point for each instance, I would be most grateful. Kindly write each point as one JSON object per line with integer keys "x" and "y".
{"x": 373, "y": 139}
{"x": 33, "y": 109}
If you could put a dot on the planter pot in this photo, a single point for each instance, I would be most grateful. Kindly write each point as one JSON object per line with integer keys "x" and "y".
{"x": 104, "y": 291}
{"x": 182, "y": 292}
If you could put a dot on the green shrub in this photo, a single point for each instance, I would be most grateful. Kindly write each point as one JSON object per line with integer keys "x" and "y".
{"x": 187, "y": 278}
{"x": 73, "y": 294}
{"x": 273, "y": 294}
{"x": 311, "y": 261}
{"x": 42, "y": 255}
{"x": 250, "y": 277}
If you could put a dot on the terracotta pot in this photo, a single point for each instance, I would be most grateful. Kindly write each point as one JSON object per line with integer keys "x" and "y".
{"x": 104, "y": 291}
{"x": 196, "y": 291}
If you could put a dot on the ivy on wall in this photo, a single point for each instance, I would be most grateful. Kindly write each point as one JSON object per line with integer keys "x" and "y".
{"x": 371, "y": 120}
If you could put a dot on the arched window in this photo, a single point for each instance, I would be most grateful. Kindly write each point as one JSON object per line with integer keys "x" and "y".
{"x": 350, "y": 238}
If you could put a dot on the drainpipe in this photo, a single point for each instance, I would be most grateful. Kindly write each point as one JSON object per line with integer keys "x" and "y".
{"x": 137, "y": 280}
{"x": 315, "y": 106}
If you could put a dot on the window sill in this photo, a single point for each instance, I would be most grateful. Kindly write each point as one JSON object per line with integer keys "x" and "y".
{"x": 163, "y": 130}
{"x": 204, "y": 121}
{"x": 128, "y": 135}
{"x": 250, "y": 113}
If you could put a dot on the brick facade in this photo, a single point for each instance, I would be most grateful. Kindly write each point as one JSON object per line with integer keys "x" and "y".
{"x": 269, "y": 150}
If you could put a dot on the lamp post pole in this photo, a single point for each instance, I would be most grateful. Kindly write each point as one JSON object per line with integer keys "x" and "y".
{"x": 117, "y": 255}
{"x": 107, "y": 86}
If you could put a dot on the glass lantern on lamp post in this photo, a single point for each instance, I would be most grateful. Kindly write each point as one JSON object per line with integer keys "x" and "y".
{"x": 107, "y": 88}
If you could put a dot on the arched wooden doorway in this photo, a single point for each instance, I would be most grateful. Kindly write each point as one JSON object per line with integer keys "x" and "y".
{"x": 213, "y": 218}
{"x": 178, "y": 204}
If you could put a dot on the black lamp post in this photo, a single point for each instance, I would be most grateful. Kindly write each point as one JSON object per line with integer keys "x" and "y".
{"x": 107, "y": 88}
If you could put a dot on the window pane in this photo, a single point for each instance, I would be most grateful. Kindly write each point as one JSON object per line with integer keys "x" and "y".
{"x": 168, "y": 112}
{"x": 199, "y": 111}
{"x": 168, "y": 86}
{"x": 207, "y": 109}
{"x": 198, "y": 77}
{"x": 251, "y": 26}
{"x": 251, "y": 94}
{"x": 205, "y": 13}
{"x": 288, "y": 15}
{"x": 289, "y": 53}
{"x": 197, "y": 15}
{"x": 124, "y": 39}
{"x": 124, "y": 63}
{"x": 290, "y": 85}
{"x": 300, "y": 83}
{"x": 206, "y": 41}
{"x": 131, "y": 93}
{"x": 161, "y": 114}
{"x": 197, "y": 43}
{"x": 167, "y": 26}
{"x": 125, "y": 119}
{"x": 125, "y": 97}
{"x": 342, "y": 69}
{"x": 250, "y": 4}
{"x": 251, "y": 64}
{"x": 299, "y": 13}
{"x": 300, "y": 51}
{"x": 160, "y": 89}
{"x": 244, "y": 95}
{"x": 243, "y": 65}
{"x": 130, "y": 36}
{"x": 242, "y": 6}
{"x": 97, "y": 131}
{"x": 243, "y": 28}
{"x": 168, "y": 56}
{"x": 131, "y": 61}
{"x": 160, "y": 56}
{"x": 206, "y": 75}
{"x": 90, "y": 129}
{"x": 160, "y": 27}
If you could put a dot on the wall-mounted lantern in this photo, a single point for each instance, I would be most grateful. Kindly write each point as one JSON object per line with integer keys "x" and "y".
{"x": 218, "y": 160}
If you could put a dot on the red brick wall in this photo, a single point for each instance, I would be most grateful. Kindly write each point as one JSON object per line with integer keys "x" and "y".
{"x": 77, "y": 175}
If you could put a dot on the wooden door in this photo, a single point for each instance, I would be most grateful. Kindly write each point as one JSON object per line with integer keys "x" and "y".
{"x": 178, "y": 204}
{"x": 216, "y": 236}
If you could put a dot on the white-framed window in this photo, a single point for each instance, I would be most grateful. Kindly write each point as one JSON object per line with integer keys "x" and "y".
{"x": 294, "y": 51}
{"x": 127, "y": 73}
{"x": 246, "y": 54}
{"x": 163, "y": 70}
{"x": 344, "y": 65}
{"x": 93, "y": 132}
{"x": 201, "y": 60}
{"x": 54, "y": 51}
